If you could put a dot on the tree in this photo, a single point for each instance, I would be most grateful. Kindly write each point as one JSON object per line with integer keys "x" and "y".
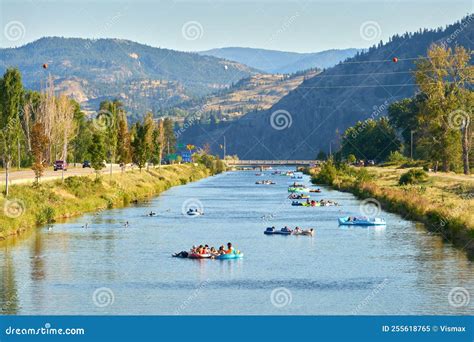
{"x": 321, "y": 155}
{"x": 445, "y": 78}
{"x": 110, "y": 115}
{"x": 370, "y": 139}
{"x": 123, "y": 140}
{"x": 149, "y": 125}
{"x": 351, "y": 159}
{"x": 141, "y": 146}
{"x": 97, "y": 152}
{"x": 11, "y": 98}
{"x": 83, "y": 135}
{"x": 403, "y": 116}
{"x": 158, "y": 142}
{"x": 64, "y": 125}
{"x": 39, "y": 143}
{"x": 170, "y": 138}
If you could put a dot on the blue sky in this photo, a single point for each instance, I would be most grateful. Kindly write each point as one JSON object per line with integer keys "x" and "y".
{"x": 302, "y": 26}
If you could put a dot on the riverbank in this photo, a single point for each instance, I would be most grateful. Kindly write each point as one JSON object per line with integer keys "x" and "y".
{"x": 444, "y": 203}
{"x": 30, "y": 206}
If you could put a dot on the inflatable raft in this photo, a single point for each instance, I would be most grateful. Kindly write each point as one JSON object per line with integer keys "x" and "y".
{"x": 273, "y": 231}
{"x": 199, "y": 256}
{"x": 361, "y": 221}
{"x": 235, "y": 255}
{"x": 193, "y": 213}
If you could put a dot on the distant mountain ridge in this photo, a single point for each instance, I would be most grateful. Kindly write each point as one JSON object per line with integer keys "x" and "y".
{"x": 314, "y": 115}
{"x": 143, "y": 77}
{"x": 282, "y": 62}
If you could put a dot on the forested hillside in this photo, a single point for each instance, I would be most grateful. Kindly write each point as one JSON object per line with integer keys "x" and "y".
{"x": 313, "y": 116}
{"x": 142, "y": 77}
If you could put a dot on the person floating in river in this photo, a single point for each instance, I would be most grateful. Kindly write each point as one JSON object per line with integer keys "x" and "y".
{"x": 230, "y": 249}
{"x": 221, "y": 250}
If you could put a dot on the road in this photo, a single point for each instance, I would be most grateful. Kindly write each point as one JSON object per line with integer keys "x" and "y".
{"x": 28, "y": 176}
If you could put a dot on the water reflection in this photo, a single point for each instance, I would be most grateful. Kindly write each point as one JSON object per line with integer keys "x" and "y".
{"x": 9, "y": 298}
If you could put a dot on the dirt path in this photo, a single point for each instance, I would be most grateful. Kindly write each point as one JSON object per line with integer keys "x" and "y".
{"x": 441, "y": 175}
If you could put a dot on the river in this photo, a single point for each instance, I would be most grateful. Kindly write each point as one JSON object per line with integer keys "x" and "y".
{"x": 108, "y": 268}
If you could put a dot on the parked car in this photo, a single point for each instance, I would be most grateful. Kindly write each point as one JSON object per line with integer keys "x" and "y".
{"x": 60, "y": 165}
{"x": 370, "y": 163}
{"x": 86, "y": 163}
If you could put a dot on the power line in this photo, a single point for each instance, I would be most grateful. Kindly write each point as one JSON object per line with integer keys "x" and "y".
{"x": 385, "y": 60}
{"x": 366, "y": 86}
{"x": 373, "y": 73}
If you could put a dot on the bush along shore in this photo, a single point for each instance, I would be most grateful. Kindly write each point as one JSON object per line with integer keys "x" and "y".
{"x": 30, "y": 206}
{"x": 444, "y": 204}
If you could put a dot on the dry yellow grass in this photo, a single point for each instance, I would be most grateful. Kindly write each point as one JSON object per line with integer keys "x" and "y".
{"x": 31, "y": 205}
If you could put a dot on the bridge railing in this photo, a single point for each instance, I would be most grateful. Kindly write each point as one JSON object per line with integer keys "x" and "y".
{"x": 272, "y": 162}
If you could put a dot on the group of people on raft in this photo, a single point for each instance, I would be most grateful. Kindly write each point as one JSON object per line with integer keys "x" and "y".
{"x": 314, "y": 203}
{"x": 206, "y": 250}
{"x": 288, "y": 231}
{"x": 265, "y": 182}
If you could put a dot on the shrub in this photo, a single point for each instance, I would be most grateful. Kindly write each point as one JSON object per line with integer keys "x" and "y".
{"x": 413, "y": 176}
{"x": 46, "y": 215}
{"x": 351, "y": 159}
{"x": 363, "y": 175}
{"x": 327, "y": 174}
{"x": 396, "y": 157}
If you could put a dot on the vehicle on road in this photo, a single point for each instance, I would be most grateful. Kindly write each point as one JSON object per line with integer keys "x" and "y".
{"x": 86, "y": 163}
{"x": 60, "y": 165}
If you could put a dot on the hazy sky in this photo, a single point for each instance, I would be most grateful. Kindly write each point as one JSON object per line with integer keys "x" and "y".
{"x": 188, "y": 25}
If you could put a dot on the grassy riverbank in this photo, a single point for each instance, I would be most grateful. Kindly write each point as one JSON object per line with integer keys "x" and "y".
{"x": 29, "y": 206}
{"x": 444, "y": 202}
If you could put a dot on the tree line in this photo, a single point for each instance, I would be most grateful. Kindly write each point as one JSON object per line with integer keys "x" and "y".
{"x": 38, "y": 128}
{"x": 434, "y": 125}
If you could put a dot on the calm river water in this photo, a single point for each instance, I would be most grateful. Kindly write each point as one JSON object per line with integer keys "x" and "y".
{"x": 111, "y": 269}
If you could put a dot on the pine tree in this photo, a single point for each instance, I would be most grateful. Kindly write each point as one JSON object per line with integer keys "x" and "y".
{"x": 11, "y": 101}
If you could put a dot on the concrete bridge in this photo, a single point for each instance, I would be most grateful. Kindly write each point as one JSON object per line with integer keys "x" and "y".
{"x": 271, "y": 162}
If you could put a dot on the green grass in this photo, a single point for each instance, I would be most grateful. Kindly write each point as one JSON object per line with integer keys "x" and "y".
{"x": 29, "y": 206}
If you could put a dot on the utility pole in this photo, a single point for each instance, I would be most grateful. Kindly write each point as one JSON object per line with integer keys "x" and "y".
{"x": 330, "y": 151}
{"x": 224, "y": 148}
{"x": 411, "y": 144}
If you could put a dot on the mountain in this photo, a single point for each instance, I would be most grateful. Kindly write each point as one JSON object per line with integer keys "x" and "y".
{"x": 312, "y": 116}
{"x": 143, "y": 77}
{"x": 281, "y": 62}
{"x": 255, "y": 93}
